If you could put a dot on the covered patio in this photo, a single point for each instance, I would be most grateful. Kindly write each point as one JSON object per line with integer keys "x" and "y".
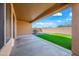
{"x": 17, "y": 35}
{"x": 30, "y": 45}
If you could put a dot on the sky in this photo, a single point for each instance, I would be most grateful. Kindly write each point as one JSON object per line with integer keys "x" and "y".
{"x": 63, "y": 17}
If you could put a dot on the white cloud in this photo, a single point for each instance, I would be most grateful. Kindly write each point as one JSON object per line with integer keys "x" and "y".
{"x": 57, "y": 14}
{"x": 44, "y": 23}
{"x": 59, "y": 21}
{"x": 40, "y": 23}
{"x": 70, "y": 14}
{"x": 68, "y": 19}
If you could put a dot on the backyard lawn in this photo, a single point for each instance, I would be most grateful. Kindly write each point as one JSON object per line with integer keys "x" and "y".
{"x": 59, "y": 39}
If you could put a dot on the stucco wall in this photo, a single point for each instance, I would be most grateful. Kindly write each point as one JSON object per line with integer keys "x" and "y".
{"x": 64, "y": 30}
{"x": 23, "y": 28}
{"x": 75, "y": 29}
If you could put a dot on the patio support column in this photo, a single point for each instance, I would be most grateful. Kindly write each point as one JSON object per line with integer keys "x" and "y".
{"x": 75, "y": 29}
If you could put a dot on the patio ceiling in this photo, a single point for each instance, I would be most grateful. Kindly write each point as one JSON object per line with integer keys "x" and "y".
{"x": 31, "y": 12}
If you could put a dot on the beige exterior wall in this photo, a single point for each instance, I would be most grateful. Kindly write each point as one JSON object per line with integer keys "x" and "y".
{"x": 75, "y": 29}
{"x": 23, "y": 28}
{"x": 64, "y": 30}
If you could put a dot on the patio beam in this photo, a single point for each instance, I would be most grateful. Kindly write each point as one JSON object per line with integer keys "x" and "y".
{"x": 24, "y": 20}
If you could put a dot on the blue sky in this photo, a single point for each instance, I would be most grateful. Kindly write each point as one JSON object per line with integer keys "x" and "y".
{"x": 63, "y": 17}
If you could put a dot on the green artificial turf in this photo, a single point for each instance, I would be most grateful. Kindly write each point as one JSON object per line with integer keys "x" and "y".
{"x": 59, "y": 39}
{"x": 63, "y": 35}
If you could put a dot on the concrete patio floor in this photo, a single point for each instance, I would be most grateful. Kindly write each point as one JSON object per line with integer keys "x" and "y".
{"x": 30, "y": 45}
